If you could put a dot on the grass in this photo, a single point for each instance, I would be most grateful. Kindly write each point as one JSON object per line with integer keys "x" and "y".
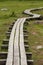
{"x": 35, "y": 38}
{"x": 18, "y": 7}
{"x": 38, "y": 12}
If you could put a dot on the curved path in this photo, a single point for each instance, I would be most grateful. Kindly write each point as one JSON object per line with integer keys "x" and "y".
{"x": 16, "y": 49}
{"x": 29, "y": 11}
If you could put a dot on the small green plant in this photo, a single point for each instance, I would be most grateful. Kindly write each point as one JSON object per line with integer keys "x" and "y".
{"x": 13, "y": 14}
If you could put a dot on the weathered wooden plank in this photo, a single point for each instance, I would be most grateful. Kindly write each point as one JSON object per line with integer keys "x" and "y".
{"x": 10, "y": 48}
{"x": 5, "y": 41}
{"x": 16, "y": 45}
{"x": 25, "y": 42}
{"x": 4, "y": 46}
{"x": 22, "y": 48}
{"x": 2, "y": 61}
{"x": 3, "y": 55}
{"x": 29, "y": 55}
{"x": 8, "y": 33}
{"x": 30, "y": 62}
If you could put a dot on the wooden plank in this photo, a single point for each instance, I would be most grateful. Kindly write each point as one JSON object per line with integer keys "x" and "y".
{"x": 5, "y": 41}
{"x": 22, "y": 48}
{"x": 3, "y": 55}
{"x": 30, "y": 62}
{"x": 10, "y": 48}
{"x": 29, "y": 55}
{"x": 16, "y": 45}
{"x": 2, "y": 61}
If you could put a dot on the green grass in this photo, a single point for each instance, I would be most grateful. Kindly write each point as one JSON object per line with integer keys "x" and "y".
{"x": 35, "y": 38}
{"x": 38, "y": 12}
{"x": 19, "y": 0}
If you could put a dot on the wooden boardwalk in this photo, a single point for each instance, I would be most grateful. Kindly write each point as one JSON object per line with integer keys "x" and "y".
{"x": 15, "y": 43}
{"x": 16, "y": 54}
